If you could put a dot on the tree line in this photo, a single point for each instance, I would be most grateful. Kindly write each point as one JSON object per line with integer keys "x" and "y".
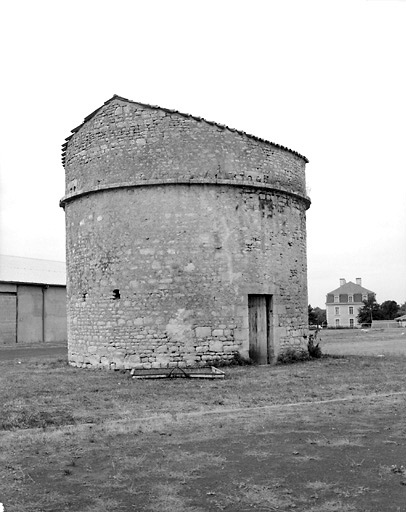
{"x": 388, "y": 310}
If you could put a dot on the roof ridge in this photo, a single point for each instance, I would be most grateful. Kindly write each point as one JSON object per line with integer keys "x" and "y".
{"x": 213, "y": 123}
{"x": 353, "y": 285}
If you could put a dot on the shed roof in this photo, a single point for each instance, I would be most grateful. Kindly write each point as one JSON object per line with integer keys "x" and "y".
{"x": 155, "y": 107}
{"x": 16, "y": 269}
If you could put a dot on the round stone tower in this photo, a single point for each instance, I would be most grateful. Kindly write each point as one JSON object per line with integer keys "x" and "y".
{"x": 186, "y": 241}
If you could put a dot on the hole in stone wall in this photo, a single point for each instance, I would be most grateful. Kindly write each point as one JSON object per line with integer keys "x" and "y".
{"x": 116, "y": 294}
{"x": 72, "y": 185}
{"x": 84, "y": 296}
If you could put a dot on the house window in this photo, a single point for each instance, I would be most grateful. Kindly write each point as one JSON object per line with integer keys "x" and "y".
{"x": 364, "y": 296}
{"x": 337, "y": 310}
{"x": 337, "y": 322}
{"x": 351, "y": 322}
{"x": 351, "y": 310}
{"x": 350, "y": 298}
{"x": 336, "y": 298}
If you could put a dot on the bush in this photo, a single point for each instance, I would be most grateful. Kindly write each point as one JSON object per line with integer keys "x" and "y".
{"x": 314, "y": 350}
{"x": 296, "y": 355}
{"x": 292, "y": 355}
{"x": 239, "y": 360}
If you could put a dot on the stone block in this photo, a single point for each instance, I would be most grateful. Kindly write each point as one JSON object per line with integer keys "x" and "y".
{"x": 241, "y": 335}
{"x": 132, "y": 360}
{"x": 104, "y": 362}
{"x": 203, "y": 332}
{"x": 216, "y": 346}
{"x": 218, "y": 332}
{"x": 92, "y": 360}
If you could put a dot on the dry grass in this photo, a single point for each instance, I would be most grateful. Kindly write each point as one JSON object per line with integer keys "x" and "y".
{"x": 364, "y": 342}
{"x": 80, "y": 440}
{"x": 51, "y": 393}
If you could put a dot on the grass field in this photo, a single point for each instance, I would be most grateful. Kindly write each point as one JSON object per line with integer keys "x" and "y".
{"x": 368, "y": 342}
{"x": 323, "y": 436}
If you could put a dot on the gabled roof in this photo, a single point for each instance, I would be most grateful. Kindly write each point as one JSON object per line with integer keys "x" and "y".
{"x": 155, "y": 107}
{"x": 15, "y": 269}
{"x": 350, "y": 288}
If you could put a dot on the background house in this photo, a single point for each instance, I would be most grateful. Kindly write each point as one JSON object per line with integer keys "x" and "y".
{"x": 32, "y": 300}
{"x": 343, "y": 303}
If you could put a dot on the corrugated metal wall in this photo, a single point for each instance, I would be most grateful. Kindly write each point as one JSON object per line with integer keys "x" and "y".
{"x": 8, "y": 318}
{"x": 29, "y": 314}
{"x": 55, "y": 327}
{"x": 32, "y": 314}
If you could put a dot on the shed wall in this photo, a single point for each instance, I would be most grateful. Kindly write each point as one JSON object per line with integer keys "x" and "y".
{"x": 29, "y": 326}
{"x": 8, "y": 318}
{"x": 55, "y": 327}
{"x": 32, "y": 313}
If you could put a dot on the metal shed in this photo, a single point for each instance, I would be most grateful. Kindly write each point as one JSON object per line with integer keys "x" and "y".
{"x": 32, "y": 300}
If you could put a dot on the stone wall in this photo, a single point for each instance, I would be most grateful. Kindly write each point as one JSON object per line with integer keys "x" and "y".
{"x": 172, "y": 222}
{"x": 127, "y": 143}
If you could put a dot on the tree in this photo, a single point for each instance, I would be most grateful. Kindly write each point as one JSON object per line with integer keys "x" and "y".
{"x": 312, "y": 315}
{"x": 389, "y": 309}
{"x": 402, "y": 309}
{"x": 317, "y": 316}
{"x": 321, "y": 316}
{"x": 369, "y": 311}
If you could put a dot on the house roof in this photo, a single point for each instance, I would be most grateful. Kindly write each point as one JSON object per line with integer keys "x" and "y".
{"x": 350, "y": 288}
{"x": 155, "y": 107}
{"x": 401, "y": 318}
{"x": 15, "y": 269}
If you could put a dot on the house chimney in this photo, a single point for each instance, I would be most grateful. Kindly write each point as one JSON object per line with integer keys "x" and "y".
{"x": 342, "y": 281}
{"x": 358, "y": 281}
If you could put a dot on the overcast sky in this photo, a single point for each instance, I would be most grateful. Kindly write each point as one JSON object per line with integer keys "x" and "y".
{"x": 324, "y": 78}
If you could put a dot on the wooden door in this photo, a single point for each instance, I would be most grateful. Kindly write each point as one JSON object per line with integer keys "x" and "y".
{"x": 260, "y": 328}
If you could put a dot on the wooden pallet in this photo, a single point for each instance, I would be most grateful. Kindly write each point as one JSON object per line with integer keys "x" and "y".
{"x": 209, "y": 372}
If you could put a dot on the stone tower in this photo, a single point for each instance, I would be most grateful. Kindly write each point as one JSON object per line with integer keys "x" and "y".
{"x": 186, "y": 241}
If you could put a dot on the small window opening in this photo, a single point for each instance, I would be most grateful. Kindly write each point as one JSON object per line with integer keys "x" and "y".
{"x": 116, "y": 294}
{"x": 84, "y": 296}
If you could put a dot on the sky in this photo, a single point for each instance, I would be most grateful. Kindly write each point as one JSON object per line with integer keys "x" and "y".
{"x": 325, "y": 78}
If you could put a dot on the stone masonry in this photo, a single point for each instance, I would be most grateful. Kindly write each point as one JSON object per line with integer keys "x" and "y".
{"x": 171, "y": 223}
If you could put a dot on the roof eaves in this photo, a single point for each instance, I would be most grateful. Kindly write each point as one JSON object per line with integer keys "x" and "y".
{"x": 170, "y": 111}
{"x": 31, "y": 283}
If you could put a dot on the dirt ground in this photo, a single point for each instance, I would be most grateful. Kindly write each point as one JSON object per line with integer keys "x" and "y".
{"x": 338, "y": 447}
{"x": 346, "y": 455}
{"x": 17, "y": 352}
{"x": 324, "y": 457}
